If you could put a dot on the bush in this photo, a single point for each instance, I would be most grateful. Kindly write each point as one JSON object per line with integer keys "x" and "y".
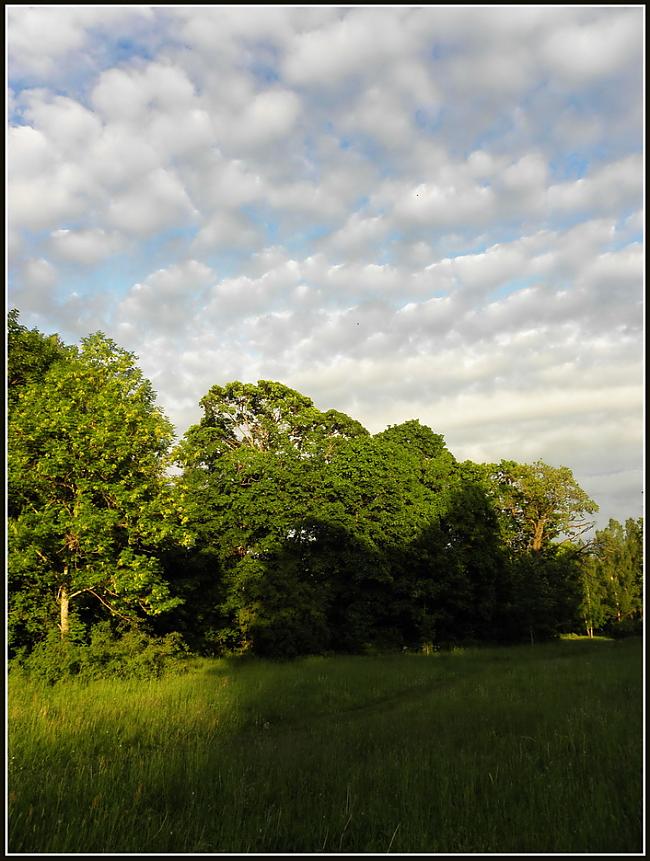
{"x": 626, "y": 628}
{"x": 126, "y": 654}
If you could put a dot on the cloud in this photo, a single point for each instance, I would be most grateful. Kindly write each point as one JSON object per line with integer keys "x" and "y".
{"x": 85, "y": 247}
{"x": 155, "y": 202}
{"x": 591, "y": 50}
{"x": 360, "y": 46}
{"x": 164, "y": 301}
{"x": 616, "y": 185}
{"x": 403, "y": 212}
{"x": 43, "y": 39}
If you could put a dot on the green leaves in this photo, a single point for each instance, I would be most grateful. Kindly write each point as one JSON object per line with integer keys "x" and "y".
{"x": 267, "y": 417}
{"x": 539, "y": 503}
{"x": 289, "y": 528}
{"x": 87, "y": 452}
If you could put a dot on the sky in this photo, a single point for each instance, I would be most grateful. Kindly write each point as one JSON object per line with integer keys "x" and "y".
{"x": 402, "y": 212}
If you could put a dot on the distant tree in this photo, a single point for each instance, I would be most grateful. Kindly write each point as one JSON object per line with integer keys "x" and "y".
{"x": 617, "y": 565}
{"x": 539, "y": 504}
{"x": 593, "y": 605}
{"x": 86, "y": 448}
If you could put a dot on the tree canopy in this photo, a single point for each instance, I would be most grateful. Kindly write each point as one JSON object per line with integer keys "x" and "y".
{"x": 87, "y": 450}
{"x": 286, "y": 529}
{"x": 539, "y": 503}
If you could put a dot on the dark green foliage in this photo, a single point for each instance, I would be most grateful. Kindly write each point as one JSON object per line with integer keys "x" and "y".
{"x": 543, "y": 596}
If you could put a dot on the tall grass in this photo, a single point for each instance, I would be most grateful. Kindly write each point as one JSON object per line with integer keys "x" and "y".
{"x": 526, "y": 749}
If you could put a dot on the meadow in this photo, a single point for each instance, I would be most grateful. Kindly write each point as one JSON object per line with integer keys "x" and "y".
{"x": 483, "y": 750}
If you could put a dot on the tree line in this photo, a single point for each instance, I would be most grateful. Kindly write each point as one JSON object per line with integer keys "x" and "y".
{"x": 283, "y": 530}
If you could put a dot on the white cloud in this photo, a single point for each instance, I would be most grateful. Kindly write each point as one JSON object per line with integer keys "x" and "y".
{"x": 67, "y": 124}
{"x": 85, "y": 247}
{"x": 164, "y": 301}
{"x": 126, "y": 95}
{"x": 270, "y": 116}
{"x": 359, "y": 44}
{"x": 587, "y": 51}
{"x": 155, "y": 202}
{"x": 412, "y": 212}
{"x": 39, "y": 275}
{"x": 614, "y": 186}
{"x": 43, "y": 39}
{"x": 226, "y": 230}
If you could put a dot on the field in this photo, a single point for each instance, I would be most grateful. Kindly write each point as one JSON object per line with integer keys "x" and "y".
{"x": 525, "y": 749}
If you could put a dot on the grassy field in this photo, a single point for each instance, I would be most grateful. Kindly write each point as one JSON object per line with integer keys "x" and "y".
{"x": 525, "y": 749}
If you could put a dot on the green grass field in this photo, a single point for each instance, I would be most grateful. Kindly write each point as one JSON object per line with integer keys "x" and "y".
{"x": 525, "y": 749}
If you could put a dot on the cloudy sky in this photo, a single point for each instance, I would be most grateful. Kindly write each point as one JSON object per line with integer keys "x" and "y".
{"x": 402, "y": 212}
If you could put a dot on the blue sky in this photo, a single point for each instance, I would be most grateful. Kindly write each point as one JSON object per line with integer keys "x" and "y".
{"x": 228, "y": 191}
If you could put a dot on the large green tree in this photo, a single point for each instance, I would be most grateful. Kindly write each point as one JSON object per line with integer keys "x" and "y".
{"x": 539, "y": 504}
{"x": 250, "y": 468}
{"x": 86, "y": 455}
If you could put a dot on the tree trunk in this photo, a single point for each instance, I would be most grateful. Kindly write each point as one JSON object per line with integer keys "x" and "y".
{"x": 65, "y": 618}
{"x": 539, "y": 534}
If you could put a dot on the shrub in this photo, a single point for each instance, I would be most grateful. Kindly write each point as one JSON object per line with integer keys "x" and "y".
{"x": 127, "y": 654}
{"x": 626, "y": 628}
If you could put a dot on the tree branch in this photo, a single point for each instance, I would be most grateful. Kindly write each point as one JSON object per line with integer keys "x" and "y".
{"x": 106, "y": 604}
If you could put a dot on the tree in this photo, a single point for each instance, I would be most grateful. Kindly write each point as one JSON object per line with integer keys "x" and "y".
{"x": 30, "y": 354}
{"x": 593, "y": 606}
{"x": 250, "y": 469}
{"x": 87, "y": 449}
{"x": 267, "y": 417}
{"x": 539, "y": 504}
{"x": 415, "y": 437}
{"x": 617, "y": 565}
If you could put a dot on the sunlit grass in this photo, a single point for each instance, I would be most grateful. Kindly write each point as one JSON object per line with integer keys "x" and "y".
{"x": 526, "y": 749}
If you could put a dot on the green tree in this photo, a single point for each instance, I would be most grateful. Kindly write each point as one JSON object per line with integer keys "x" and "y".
{"x": 617, "y": 560}
{"x": 30, "y": 354}
{"x": 539, "y": 504}
{"x": 266, "y": 417}
{"x": 250, "y": 467}
{"x": 593, "y": 604}
{"x": 542, "y": 514}
{"x": 545, "y": 592}
{"x": 86, "y": 448}
{"x": 416, "y": 438}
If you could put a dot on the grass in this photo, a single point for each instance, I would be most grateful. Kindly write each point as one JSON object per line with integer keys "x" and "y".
{"x": 525, "y": 749}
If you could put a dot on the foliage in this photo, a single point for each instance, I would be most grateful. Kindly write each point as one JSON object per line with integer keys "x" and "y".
{"x": 288, "y": 530}
{"x": 267, "y": 417}
{"x": 29, "y": 356}
{"x": 128, "y": 653}
{"x": 86, "y": 457}
{"x": 613, "y": 579}
{"x": 539, "y": 504}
